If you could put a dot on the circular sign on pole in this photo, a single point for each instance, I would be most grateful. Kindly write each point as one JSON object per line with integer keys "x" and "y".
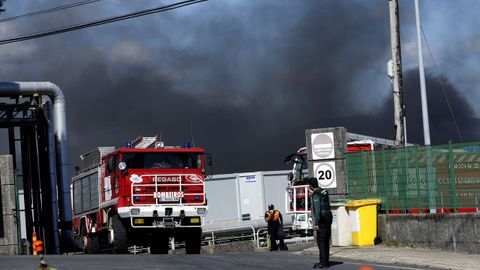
{"x": 325, "y": 174}
{"x": 323, "y": 146}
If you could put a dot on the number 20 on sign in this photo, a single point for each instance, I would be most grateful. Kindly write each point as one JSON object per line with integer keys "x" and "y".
{"x": 325, "y": 173}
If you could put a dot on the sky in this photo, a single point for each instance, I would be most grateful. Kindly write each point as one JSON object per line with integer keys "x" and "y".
{"x": 244, "y": 79}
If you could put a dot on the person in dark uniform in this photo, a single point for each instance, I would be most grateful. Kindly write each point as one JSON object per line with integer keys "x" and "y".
{"x": 322, "y": 217}
{"x": 275, "y": 228}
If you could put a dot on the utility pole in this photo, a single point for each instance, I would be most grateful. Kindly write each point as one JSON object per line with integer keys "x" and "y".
{"x": 398, "y": 104}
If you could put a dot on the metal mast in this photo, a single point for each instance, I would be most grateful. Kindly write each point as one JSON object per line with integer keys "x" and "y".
{"x": 426, "y": 125}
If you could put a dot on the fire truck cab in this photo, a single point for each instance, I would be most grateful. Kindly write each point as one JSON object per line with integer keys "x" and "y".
{"x": 144, "y": 194}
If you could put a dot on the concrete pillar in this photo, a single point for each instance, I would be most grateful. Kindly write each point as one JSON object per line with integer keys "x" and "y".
{"x": 8, "y": 230}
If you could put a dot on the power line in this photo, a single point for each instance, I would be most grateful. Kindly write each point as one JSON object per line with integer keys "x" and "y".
{"x": 441, "y": 86}
{"x": 99, "y": 22}
{"x": 45, "y": 11}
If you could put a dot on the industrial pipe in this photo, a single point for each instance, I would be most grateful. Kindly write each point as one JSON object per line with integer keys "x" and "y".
{"x": 53, "y": 177}
{"x": 15, "y": 89}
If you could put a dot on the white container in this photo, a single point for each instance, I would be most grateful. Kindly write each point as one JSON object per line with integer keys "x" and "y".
{"x": 246, "y": 196}
{"x": 341, "y": 227}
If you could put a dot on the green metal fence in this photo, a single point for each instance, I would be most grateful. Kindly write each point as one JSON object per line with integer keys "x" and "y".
{"x": 418, "y": 179}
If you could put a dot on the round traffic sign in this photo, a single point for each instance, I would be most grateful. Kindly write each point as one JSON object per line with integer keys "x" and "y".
{"x": 325, "y": 174}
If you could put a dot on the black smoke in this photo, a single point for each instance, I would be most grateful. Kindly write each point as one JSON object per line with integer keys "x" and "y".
{"x": 451, "y": 117}
{"x": 242, "y": 79}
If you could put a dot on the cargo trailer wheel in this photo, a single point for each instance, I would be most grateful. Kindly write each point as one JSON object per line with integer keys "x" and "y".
{"x": 117, "y": 235}
{"x": 193, "y": 242}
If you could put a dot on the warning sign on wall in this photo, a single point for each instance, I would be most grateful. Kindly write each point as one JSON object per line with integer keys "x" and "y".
{"x": 322, "y": 146}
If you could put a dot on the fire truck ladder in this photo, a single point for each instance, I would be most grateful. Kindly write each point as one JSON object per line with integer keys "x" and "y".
{"x": 359, "y": 137}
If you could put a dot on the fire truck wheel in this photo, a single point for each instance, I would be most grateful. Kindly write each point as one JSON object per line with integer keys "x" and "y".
{"x": 159, "y": 246}
{"x": 94, "y": 245}
{"x": 83, "y": 238}
{"x": 193, "y": 242}
{"x": 117, "y": 235}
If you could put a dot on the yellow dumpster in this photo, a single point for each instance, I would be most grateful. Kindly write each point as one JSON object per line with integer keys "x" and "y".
{"x": 363, "y": 220}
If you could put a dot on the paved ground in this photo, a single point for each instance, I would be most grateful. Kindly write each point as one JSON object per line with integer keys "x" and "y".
{"x": 412, "y": 256}
{"x": 248, "y": 261}
{"x": 299, "y": 257}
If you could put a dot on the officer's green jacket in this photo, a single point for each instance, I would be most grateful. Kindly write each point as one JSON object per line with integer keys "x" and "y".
{"x": 317, "y": 203}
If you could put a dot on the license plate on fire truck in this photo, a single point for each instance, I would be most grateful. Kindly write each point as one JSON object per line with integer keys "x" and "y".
{"x": 168, "y": 196}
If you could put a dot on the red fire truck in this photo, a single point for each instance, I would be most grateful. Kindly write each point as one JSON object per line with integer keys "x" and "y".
{"x": 145, "y": 194}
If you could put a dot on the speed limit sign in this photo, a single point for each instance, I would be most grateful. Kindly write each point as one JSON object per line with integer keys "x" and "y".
{"x": 325, "y": 174}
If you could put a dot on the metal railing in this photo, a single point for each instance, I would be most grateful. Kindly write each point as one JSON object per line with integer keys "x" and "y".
{"x": 237, "y": 228}
{"x": 239, "y": 232}
{"x": 224, "y": 220}
{"x": 294, "y": 196}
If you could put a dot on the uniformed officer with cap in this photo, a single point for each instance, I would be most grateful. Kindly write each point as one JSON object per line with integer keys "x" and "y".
{"x": 322, "y": 218}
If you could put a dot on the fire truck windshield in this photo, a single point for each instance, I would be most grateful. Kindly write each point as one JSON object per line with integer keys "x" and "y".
{"x": 145, "y": 160}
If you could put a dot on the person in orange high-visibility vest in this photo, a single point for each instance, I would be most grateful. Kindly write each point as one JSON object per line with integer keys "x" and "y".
{"x": 275, "y": 228}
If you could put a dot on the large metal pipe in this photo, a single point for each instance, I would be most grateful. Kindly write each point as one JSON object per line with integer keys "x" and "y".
{"x": 53, "y": 177}
{"x": 12, "y": 89}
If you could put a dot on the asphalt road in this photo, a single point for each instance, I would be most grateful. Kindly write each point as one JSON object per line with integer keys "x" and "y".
{"x": 251, "y": 261}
